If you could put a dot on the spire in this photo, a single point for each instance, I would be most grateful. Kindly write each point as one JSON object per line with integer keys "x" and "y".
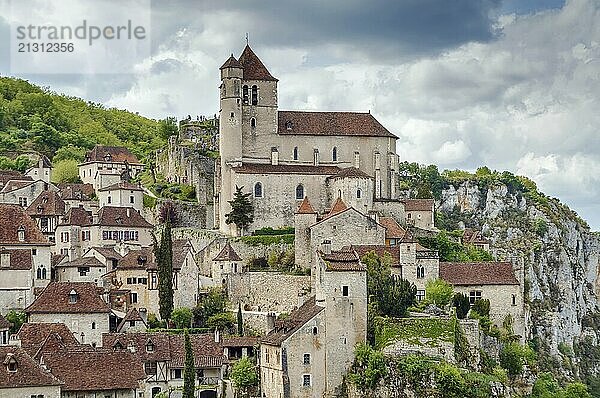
{"x": 254, "y": 69}
{"x": 338, "y": 207}
{"x": 231, "y": 63}
{"x": 305, "y": 207}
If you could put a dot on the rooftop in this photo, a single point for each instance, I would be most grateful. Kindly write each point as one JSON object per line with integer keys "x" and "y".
{"x": 253, "y": 67}
{"x": 305, "y": 207}
{"x": 121, "y": 217}
{"x": 69, "y": 297}
{"x": 330, "y": 124}
{"x": 123, "y": 185}
{"x": 114, "y": 154}
{"x": 33, "y": 335}
{"x": 255, "y": 168}
{"x": 484, "y": 273}
{"x": 227, "y": 254}
{"x": 48, "y": 203}
{"x": 418, "y": 204}
{"x": 28, "y": 374}
{"x": 342, "y": 260}
{"x": 12, "y": 219}
{"x": 298, "y": 318}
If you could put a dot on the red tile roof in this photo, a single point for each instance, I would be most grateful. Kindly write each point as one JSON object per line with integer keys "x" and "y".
{"x": 418, "y": 204}
{"x": 33, "y": 335}
{"x": 254, "y": 69}
{"x": 142, "y": 259}
{"x": 298, "y": 318}
{"x": 338, "y": 207}
{"x": 48, "y": 203}
{"x": 330, "y": 124}
{"x": 77, "y": 216}
{"x": 20, "y": 259}
{"x": 115, "y": 154}
{"x": 255, "y": 168}
{"x": 380, "y": 251}
{"x": 231, "y": 63}
{"x": 55, "y": 299}
{"x": 12, "y": 218}
{"x": 29, "y": 373}
{"x": 123, "y": 185}
{"x": 342, "y": 261}
{"x": 484, "y": 273}
{"x": 121, "y": 217}
{"x": 132, "y": 315}
{"x": 393, "y": 230}
{"x": 306, "y": 207}
{"x": 227, "y": 254}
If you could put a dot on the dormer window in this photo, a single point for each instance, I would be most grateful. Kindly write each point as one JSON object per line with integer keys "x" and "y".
{"x": 40, "y": 209}
{"x": 107, "y": 157}
{"x": 11, "y": 363}
{"x": 117, "y": 346}
{"x": 45, "y": 199}
{"x": 21, "y": 233}
{"x": 149, "y": 346}
{"x": 119, "y": 220}
{"x": 289, "y": 125}
{"x": 73, "y": 296}
{"x": 141, "y": 260}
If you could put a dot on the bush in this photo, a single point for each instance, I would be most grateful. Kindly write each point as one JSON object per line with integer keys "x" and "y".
{"x": 271, "y": 231}
{"x": 540, "y": 226}
{"x": 461, "y": 302}
{"x": 65, "y": 171}
{"x": 182, "y": 317}
{"x": 439, "y": 292}
{"x": 243, "y": 375}
{"x": 482, "y": 307}
{"x": 154, "y": 323}
{"x": 16, "y": 318}
{"x": 514, "y": 356}
{"x": 222, "y": 321}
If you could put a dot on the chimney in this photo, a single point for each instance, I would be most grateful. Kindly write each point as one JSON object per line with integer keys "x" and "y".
{"x": 274, "y": 156}
{"x": 326, "y": 247}
{"x": 270, "y": 321}
{"x": 301, "y": 298}
{"x": 144, "y": 314}
{"x": 217, "y": 336}
{"x": 128, "y": 212}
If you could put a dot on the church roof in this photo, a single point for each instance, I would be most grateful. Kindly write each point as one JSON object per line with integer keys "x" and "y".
{"x": 350, "y": 172}
{"x": 255, "y": 168}
{"x": 305, "y": 207}
{"x": 330, "y": 124}
{"x": 231, "y": 63}
{"x": 227, "y": 254}
{"x": 338, "y": 207}
{"x": 254, "y": 69}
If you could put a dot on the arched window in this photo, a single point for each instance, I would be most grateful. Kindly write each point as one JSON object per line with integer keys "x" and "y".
{"x": 44, "y": 274}
{"x": 420, "y": 272}
{"x": 39, "y": 273}
{"x": 258, "y": 191}
{"x": 300, "y": 191}
{"x": 93, "y": 325}
{"x": 334, "y": 154}
{"x": 245, "y": 95}
{"x": 254, "y": 95}
{"x": 295, "y": 153}
{"x": 253, "y": 123}
{"x": 358, "y": 193}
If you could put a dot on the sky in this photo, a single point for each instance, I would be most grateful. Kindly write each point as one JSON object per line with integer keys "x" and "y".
{"x": 510, "y": 84}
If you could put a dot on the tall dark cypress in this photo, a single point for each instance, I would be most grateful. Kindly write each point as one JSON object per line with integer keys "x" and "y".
{"x": 189, "y": 371}
{"x": 165, "y": 273}
{"x": 240, "y": 320}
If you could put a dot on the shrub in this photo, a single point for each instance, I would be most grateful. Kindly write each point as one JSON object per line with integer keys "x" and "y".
{"x": 222, "y": 321}
{"x": 482, "y": 307}
{"x": 540, "y": 227}
{"x": 439, "y": 292}
{"x": 462, "y": 305}
{"x": 182, "y": 317}
{"x": 514, "y": 356}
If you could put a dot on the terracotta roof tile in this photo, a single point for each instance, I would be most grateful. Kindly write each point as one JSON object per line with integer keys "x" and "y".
{"x": 330, "y": 124}
{"x": 306, "y": 207}
{"x": 56, "y": 259}
{"x": 76, "y": 216}
{"x": 231, "y": 63}
{"x": 343, "y": 260}
{"x": 227, "y": 254}
{"x": 13, "y": 185}
{"x": 13, "y": 218}
{"x": 121, "y": 217}
{"x": 255, "y": 168}
{"x": 380, "y": 250}
{"x": 484, "y": 273}
{"x": 20, "y": 259}
{"x": 142, "y": 258}
{"x": 254, "y": 69}
{"x": 338, "y": 207}
{"x": 55, "y": 299}
{"x": 33, "y": 335}
{"x": 393, "y": 230}
{"x": 29, "y": 373}
{"x": 115, "y": 154}
{"x": 132, "y": 315}
{"x": 123, "y": 185}
{"x": 298, "y": 318}
{"x": 48, "y": 203}
{"x": 107, "y": 252}
{"x": 418, "y": 204}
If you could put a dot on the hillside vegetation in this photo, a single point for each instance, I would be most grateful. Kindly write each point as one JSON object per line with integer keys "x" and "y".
{"x": 35, "y": 119}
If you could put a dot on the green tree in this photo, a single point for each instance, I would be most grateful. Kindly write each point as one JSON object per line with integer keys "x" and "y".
{"x": 17, "y": 319}
{"x": 164, "y": 260}
{"x": 242, "y": 211}
{"x": 168, "y": 127}
{"x": 461, "y": 302}
{"x": 240, "y": 320}
{"x": 513, "y": 356}
{"x": 65, "y": 171}
{"x": 576, "y": 390}
{"x": 439, "y": 292}
{"x": 189, "y": 371}
{"x": 482, "y": 307}
{"x": 182, "y": 317}
{"x": 244, "y": 376}
{"x": 368, "y": 369}
{"x": 222, "y": 321}
{"x": 213, "y": 303}
{"x": 69, "y": 152}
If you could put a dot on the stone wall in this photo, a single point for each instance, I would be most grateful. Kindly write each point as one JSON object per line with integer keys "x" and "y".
{"x": 190, "y": 214}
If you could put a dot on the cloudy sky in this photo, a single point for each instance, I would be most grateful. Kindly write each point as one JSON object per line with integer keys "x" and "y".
{"x": 513, "y": 84}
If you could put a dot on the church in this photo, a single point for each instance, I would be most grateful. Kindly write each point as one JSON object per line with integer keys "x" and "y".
{"x": 282, "y": 157}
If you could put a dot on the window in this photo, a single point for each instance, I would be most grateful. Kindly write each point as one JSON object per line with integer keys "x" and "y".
{"x": 514, "y": 300}
{"x": 306, "y": 360}
{"x": 474, "y": 295}
{"x": 23, "y": 202}
{"x": 12, "y": 365}
{"x": 306, "y": 380}
{"x": 21, "y": 234}
{"x": 85, "y": 235}
{"x": 131, "y": 199}
{"x": 109, "y": 200}
{"x": 420, "y": 295}
{"x": 300, "y": 191}
{"x": 83, "y": 270}
{"x": 73, "y": 297}
{"x": 150, "y": 368}
{"x": 258, "y": 191}
{"x": 134, "y": 297}
{"x": 64, "y": 237}
{"x": 150, "y": 346}
{"x": 345, "y": 291}
{"x": 254, "y": 95}
{"x": 358, "y": 193}
{"x": 295, "y": 153}
{"x": 131, "y": 324}
{"x": 33, "y": 252}
{"x": 315, "y": 330}
{"x": 177, "y": 373}
{"x": 334, "y": 154}
{"x": 93, "y": 325}
{"x": 420, "y": 272}
{"x": 231, "y": 115}
{"x": 245, "y": 94}
{"x": 357, "y": 160}
{"x": 253, "y": 123}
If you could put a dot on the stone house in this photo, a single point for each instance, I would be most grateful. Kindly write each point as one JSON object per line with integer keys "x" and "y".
{"x": 495, "y": 281}
{"x": 4, "y": 330}
{"x": 420, "y": 213}
{"x": 84, "y": 269}
{"x": 76, "y": 304}
{"x": 106, "y": 255}
{"x": 22, "y": 376}
{"x": 342, "y": 226}
{"x": 265, "y": 150}
{"x": 308, "y": 354}
{"x": 236, "y": 347}
{"x": 42, "y": 169}
{"x": 474, "y": 237}
{"x": 12, "y": 175}
{"x": 122, "y": 194}
{"x": 394, "y": 233}
{"x": 103, "y": 166}
{"x": 25, "y": 259}
{"x": 76, "y": 195}
{"x": 162, "y": 356}
{"x": 23, "y": 192}
{"x": 226, "y": 263}
{"x": 69, "y": 233}
{"x": 133, "y": 322}
{"x": 46, "y": 210}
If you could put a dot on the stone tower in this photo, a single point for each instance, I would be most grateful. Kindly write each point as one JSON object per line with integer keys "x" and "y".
{"x": 305, "y": 217}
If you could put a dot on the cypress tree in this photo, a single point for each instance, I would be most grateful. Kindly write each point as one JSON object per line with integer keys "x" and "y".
{"x": 242, "y": 211}
{"x": 164, "y": 259}
{"x": 240, "y": 321}
{"x": 189, "y": 371}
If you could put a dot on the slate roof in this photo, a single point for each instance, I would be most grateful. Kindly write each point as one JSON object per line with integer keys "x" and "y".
{"x": 48, "y": 203}
{"x": 483, "y": 273}
{"x": 305, "y": 207}
{"x": 342, "y": 260}
{"x": 123, "y": 185}
{"x": 29, "y": 373}
{"x": 350, "y": 172}
{"x": 298, "y": 318}
{"x": 20, "y": 259}
{"x": 330, "y": 124}
{"x": 253, "y": 67}
{"x": 255, "y": 168}
{"x": 76, "y": 216}
{"x": 393, "y": 230}
{"x": 231, "y": 63}
{"x": 118, "y": 217}
{"x": 12, "y": 218}
{"x": 227, "y": 254}
{"x": 55, "y": 299}
{"x": 33, "y": 335}
{"x": 117, "y": 154}
{"x": 418, "y": 204}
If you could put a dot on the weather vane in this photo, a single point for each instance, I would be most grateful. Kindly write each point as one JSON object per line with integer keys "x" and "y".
{"x": 247, "y": 38}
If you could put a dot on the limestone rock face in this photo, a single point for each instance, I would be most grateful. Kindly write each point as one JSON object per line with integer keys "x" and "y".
{"x": 560, "y": 255}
